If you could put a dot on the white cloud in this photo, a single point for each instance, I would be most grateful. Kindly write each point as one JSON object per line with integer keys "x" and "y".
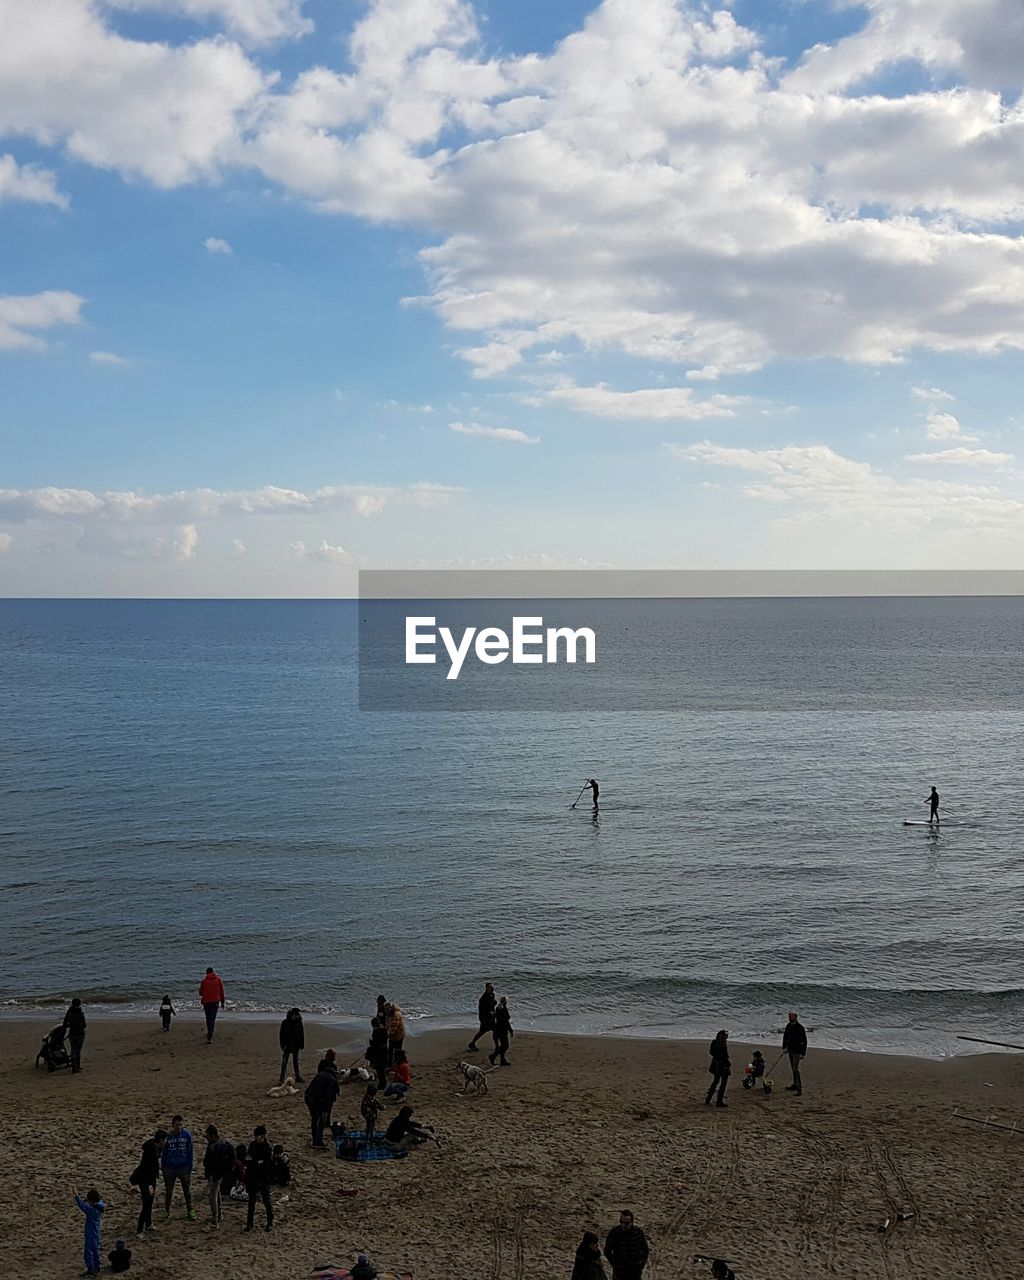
{"x": 21, "y": 316}
{"x": 812, "y": 484}
{"x": 944, "y": 426}
{"x": 931, "y": 395}
{"x": 255, "y": 21}
{"x": 213, "y": 244}
{"x": 238, "y": 548}
{"x": 119, "y": 542}
{"x": 325, "y": 553}
{"x": 658, "y": 404}
{"x": 963, "y": 457}
{"x": 510, "y": 435}
{"x": 629, "y": 193}
{"x": 6, "y": 542}
{"x": 108, "y": 357}
{"x": 29, "y": 182}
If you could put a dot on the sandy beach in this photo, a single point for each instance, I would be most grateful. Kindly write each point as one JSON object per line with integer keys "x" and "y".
{"x": 576, "y": 1128}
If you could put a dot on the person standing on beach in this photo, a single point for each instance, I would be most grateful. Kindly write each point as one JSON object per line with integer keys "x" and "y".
{"x": 485, "y": 1012}
{"x": 293, "y": 1039}
{"x": 501, "y": 1033}
{"x": 92, "y": 1206}
{"x": 396, "y": 1031}
{"x": 74, "y": 1025}
{"x": 626, "y": 1248}
{"x": 320, "y": 1096}
{"x": 258, "y": 1162}
{"x": 146, "y": 1176}
{"x": 218, "y": 1161}
{"x": 176, "y": 1161}
{"x": 794, "y": 1042}
{"x": 720, "y": 1068}
{"x": 377, "y": 1050}
{"x": 933, "y": 803}
{"x": 588, "y": 1264}
{"x": 167, "y": 1012}
{"x": 211, "y": 994}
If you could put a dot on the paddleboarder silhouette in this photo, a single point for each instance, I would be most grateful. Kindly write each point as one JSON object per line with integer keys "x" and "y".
{"x": 933, "y": 801}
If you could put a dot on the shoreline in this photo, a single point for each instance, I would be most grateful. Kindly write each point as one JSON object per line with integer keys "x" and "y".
{"x": 576, "y": 1128}
{"x": 424, "y": 1025}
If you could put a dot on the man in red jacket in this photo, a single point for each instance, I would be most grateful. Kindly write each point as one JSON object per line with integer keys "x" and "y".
{"x": 211, "y": 993}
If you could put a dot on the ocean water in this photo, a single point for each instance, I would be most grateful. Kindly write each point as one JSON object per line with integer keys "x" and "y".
{"x": 185, "y": 783}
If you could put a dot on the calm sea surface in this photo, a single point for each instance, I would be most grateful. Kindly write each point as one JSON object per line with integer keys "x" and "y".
{"x": 187, "y": 783}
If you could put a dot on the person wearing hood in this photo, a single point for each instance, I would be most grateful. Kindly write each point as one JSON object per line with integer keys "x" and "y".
{"x": 74, "y": 1024}
{"x": 363, "y": 1269}
{"x": 120, "y": 1257}
{"x": 321, "y": 1094}
{"x": 292, "y": 1037}
{"x": 211, "y": 996}
{"x": 588, "y": 1264}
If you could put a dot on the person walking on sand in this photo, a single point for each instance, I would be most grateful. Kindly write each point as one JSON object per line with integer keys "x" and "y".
{"x": 320, "y": 1097}
{"x": 588, "y": 1264}
{"x": 176, "y": 1161}
{"x": 218, "y": 1161}
{"x": 145, "y": 1176}
{"x": 720, "y": 1068}
{"x": 485, "y": 1012}
{"x": 211, "y": 995}
{"x": 933, "y": 803}
{"x": 92, "y": 1206}
{"x": 292, "y": 1037}
{"x": 501, "y": 1033}
{"x": 626, "y": 1248}
{"x": 259, "y": 1160}
{"x": 74, "y": 1025}
{"x": 794, "y": 1042}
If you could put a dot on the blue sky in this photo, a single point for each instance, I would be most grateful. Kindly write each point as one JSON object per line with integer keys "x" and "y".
{"x": 290, "y": 289}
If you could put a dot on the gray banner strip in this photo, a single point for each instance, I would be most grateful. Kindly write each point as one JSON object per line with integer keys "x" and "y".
{"x": 647, "y": 584}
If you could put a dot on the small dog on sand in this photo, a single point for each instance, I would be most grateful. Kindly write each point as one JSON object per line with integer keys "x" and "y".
{"x": 283, "y": 1090}
{"x": 355, "y": 1075}
{"x": 473, "y": 1078}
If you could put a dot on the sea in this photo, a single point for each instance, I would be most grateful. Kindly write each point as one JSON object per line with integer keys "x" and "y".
{"x": 192, "y": 782}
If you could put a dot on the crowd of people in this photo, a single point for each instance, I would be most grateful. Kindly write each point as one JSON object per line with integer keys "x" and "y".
{"x": 247, "y": 1171}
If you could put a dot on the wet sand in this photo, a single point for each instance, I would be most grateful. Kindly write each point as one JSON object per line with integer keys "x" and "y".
{"x": 575, "y": 1129}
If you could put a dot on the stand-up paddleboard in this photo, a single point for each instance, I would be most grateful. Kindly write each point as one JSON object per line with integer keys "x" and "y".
{"x": 923, "y": 822}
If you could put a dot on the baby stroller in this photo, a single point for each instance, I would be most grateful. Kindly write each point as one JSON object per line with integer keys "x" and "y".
{"x": 52, "y": 1051}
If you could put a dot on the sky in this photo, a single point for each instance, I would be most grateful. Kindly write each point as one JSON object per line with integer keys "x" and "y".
{"x": 290, "y": 289}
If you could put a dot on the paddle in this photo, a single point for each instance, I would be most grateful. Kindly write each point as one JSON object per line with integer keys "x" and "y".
{"x": 580, "y": 796}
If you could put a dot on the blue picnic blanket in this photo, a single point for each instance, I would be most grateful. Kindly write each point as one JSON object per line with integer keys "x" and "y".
{"x": 375, "y": 1151}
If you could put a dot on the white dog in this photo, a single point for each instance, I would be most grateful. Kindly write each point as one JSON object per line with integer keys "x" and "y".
{"x": 474, "y": 1078}
{"x": 355, "y": 1075}
{"x": 283, "y": 1090}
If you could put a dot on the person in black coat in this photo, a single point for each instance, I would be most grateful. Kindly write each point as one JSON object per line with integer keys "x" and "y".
{"x": 258, "y": 1162}
{"x": 626, "y": 1248}
{"x": 794, "y": 1042}
{"x": 74, "y": 1025}
{"x": 720, "y": 1068}
{"x": 377, "y": 1050}
{"x": 501, "y": 1033}
{"x": 293, "y": 1039}
{"x": 321, "y": 1095}
{"x": 147, "y": 1178}
{"x": 588, "y": 1264}
{"x": 485, "y": 1012}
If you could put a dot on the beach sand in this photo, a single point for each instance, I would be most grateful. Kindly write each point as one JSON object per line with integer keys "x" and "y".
{"x": 574, "y": 1130}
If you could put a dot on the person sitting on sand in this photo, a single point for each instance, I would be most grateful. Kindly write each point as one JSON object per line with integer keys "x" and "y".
{"x": 370, "y": 1109}
{"x": 401, "y": 1077}
{"x": 120, "y": 1257}
{"x": 280, "y": 1167}
{"x": 721, "y": 1270}
{"x": 362, "y": 1269}
{"x": 588, "y": 1264}
{"x": 403, "y": 1133}
{"x": 233, "y": 1185}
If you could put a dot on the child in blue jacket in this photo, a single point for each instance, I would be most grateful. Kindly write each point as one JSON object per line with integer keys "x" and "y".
{"x": 92, "y": 1206}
